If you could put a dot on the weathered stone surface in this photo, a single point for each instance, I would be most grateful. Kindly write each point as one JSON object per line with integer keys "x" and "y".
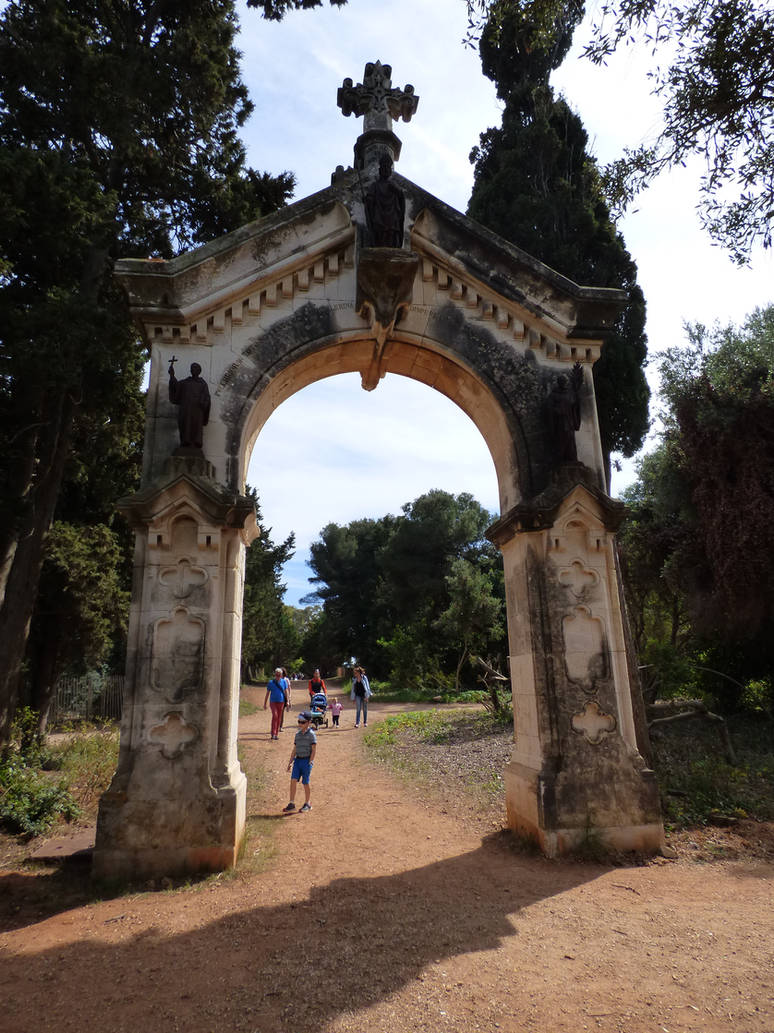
{"x": 278, "y": 305}
{"x": 177, "y": 800}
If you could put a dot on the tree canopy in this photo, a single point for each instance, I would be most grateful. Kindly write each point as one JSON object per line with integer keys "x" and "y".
{"x": 697, "y": 546}
{"x": 537, "y": 185}
{"x": 119, "y": 136}
{"x": 713, "y": 68}
{"x": 410, "y": 596}
{"x": 269, "y": 635}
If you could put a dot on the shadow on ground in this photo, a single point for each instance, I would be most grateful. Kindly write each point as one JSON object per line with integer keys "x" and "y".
{"x": 350, "y": 943}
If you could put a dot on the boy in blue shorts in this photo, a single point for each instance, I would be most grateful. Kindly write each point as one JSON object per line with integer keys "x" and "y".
{"x": 301, "y": 760}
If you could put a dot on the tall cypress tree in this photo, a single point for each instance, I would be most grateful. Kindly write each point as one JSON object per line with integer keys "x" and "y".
{"x": 537, "y": 185}
{"x": 119, "y": 136}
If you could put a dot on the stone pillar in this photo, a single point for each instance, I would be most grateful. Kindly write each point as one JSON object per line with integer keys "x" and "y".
{"x": 575, "y": 766}
{"x": 176, "y": 804}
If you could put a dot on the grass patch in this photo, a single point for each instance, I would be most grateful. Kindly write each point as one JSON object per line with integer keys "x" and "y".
{"x": 427, "y": 725}
{"x": 259, "y": 847}
{"x": 87, "y": 761}
{"x": 42, "y": 784}
{"x": 246, "y": 708}
{"x": 446, "y": 753}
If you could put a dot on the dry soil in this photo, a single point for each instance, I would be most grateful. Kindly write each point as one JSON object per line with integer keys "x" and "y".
{"x": 383, "y": 911}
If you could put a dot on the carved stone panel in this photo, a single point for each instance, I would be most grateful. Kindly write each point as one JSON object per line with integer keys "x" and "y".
{"x": 183, "y": 578}
{"x": 584, "y": 648}
{"x": 177, "y": 661}
{"x": 593, "y": 723}
{"x": 173, "y": 734}
{"x": 579, "y": 579}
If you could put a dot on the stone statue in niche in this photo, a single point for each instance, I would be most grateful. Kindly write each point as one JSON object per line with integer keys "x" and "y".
{"x": 564, "y": 415}
{"x": 192, "y": 398}
{"x": 385, "y": 208}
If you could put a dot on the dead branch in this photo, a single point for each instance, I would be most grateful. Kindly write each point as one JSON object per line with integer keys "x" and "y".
{"x": 696, "y": 709}
{"x": 489, "y": 680}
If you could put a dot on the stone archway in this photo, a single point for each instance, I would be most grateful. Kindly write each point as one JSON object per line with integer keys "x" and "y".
{"x": 302, "y": 295}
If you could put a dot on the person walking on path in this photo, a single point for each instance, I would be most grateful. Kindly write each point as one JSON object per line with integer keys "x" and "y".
{"x": 275, "y": 694}
{"x": 336, "y": 709}
{"x": 361, "y": 693}
{"x": 286, "y": 683}
{"x": 301, "y": 761}
{"x": 316, "y": 684}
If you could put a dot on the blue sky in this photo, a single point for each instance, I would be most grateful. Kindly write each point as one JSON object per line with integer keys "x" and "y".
{"x": 333, "y": 452}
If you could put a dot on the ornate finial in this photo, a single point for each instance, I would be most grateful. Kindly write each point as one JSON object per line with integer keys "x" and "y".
{"x": 379, "y": 102}
{"x": 376, "y": 98}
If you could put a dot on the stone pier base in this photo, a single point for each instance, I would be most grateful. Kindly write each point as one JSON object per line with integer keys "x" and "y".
{"x": 140, "y": 838}
{"x": 531, "y": 808}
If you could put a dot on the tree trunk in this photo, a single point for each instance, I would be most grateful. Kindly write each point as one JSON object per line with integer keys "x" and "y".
{"x": 23, "y": 573}
{"x": 459, "y": 669}
{"x": 45, "y": 646}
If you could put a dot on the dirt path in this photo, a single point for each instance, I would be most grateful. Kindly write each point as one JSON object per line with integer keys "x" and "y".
{"x": 379, "y": 912}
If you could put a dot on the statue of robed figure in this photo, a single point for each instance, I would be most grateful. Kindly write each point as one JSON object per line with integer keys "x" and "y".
{"x": 192, "y": 397}
{"x": 385, "y": 208}
{"x": 564, "y": 413}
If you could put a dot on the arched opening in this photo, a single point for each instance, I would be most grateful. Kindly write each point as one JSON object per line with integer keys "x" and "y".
{"x": 335, "y": 453}
{"x": 427, "y": 364}
{"x": 293, "y": 300}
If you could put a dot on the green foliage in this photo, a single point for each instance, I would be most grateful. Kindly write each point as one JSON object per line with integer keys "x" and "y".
{"x": 716, "y": 87}
{"x": 474, "y": 615}
{"x": 82, "y": 607}
{"x": 696, "y": 550}
{"x": 537, "y": 185}
{"x": 388, "y": 589}
{"x": 275, "y": 10}
{"x": 758, "y": 696}
{"x": 429, "y": 725}
{"x": 31, "y": 801}
{"x": 119, "y": 136}
{"x": 269, "y": 632}
{"x": 698, "y": 783}
{"x": 87, "y": 759}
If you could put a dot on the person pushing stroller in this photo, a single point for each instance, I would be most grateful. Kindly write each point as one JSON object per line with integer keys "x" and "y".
{"x": 318, "y": 706}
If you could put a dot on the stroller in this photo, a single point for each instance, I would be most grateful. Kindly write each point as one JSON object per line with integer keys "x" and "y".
{"x": 318, "y": 707}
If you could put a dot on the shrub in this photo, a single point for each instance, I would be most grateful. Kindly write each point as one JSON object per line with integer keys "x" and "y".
{"x": 31, "y": 801}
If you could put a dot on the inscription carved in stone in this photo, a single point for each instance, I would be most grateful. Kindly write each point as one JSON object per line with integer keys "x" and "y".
{"x": 177, "y": 663}
{"x": 593, "y": 723}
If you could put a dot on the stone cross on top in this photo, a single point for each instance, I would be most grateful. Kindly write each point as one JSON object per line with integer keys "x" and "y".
{"x": 380, "y": 102}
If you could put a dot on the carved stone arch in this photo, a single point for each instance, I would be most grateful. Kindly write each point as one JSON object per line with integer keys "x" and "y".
{"x": 425, "y": 361}
{"x": 295, "y": 298}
